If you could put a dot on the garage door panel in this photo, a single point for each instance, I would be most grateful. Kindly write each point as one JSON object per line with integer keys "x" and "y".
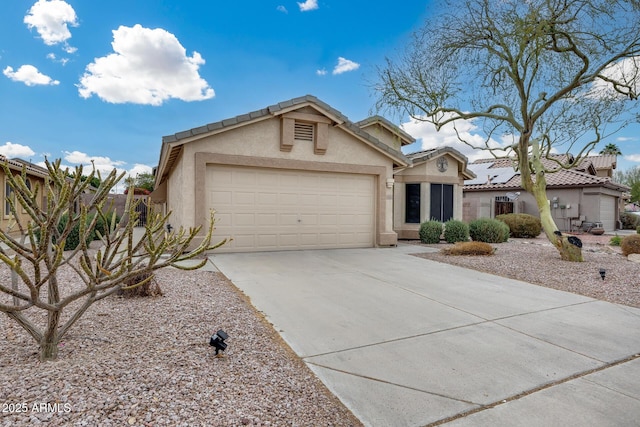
{"x": 269, "y": 209}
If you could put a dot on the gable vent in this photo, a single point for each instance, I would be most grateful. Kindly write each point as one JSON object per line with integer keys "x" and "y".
{"x": 303, "y": 131}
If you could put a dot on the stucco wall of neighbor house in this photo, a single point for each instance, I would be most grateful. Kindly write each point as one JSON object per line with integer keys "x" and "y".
{"x": 258, "y": 144}
{"x": 573, "y": 203}
{"x": 425, "y": 173}
{"x": 6, "y": 218}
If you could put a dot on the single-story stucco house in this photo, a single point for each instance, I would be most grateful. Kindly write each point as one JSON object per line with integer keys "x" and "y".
{"x": 301, "y": 175}
{"x": 35, "y": 176}
{"x": 578, "y": 196}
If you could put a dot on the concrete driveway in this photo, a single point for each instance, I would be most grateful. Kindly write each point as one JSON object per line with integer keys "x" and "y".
{"x": 404, "y": 341}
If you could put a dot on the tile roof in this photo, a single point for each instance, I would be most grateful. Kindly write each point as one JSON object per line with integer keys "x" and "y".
{"x": 603, "y": 161}
{"x": 406, "y": 138}
{"x": 562, "y": 178}
{"x": 273, "y": 110}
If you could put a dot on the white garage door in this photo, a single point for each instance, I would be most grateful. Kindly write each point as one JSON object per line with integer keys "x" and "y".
{"x": 608, "y": 212}
{"x": 275, "y": 209}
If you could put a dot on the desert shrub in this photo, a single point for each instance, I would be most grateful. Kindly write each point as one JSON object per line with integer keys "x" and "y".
{"x": 488, "y": 230}
{"x": 470, "y": 248}
{"x": 73, "y": 239}
{"x": 430, "y": 232}
{"x": 522, "y": 225}
{"x": 630, "y": 245}
{"x": 148, "y": 288}
{"x": 456, "y": 231}
{"x": 638, "y": 229}
{"x": 629, "y": 221}
{"x": 101, "y": 227}
{"x": 615, "y": 240}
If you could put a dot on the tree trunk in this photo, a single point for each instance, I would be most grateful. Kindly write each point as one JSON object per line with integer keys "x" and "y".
{"x": 568, "y": 251}
{"x": 50, "y": 339}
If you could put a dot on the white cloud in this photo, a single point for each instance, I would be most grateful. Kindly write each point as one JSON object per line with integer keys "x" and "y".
{"x": 282, "y": 9}
{"x": 344, "y": 66}
{"x": 11, "y": 150}
{"x": 103, "y": 164}
{"x": 308, "y": 5}
{"x": 29, "y": 75}
{"x": 626, "y": 71}
{"x": 633, "y": 158}
{"x": 430, "y": 138}
{"x": 322, "y": 72}
{"x": 148, "y": 66}
{"x": 138, "y": 169}
{"x": 54, "y": 58}
{"x": 626, "y": 138}
{"x": 51, "y": 19}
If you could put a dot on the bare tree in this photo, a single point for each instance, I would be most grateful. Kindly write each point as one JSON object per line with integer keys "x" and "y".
{"x": 34, "y": 252}
{"x": 552, "y": 76}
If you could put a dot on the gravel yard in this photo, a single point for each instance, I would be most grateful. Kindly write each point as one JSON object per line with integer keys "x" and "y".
{"x": 147, "y": 362}
{"x": 537, "y": 261}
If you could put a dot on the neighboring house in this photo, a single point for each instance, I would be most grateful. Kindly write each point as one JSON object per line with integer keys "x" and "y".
{"x": 430, "y": 188}
{"x": 583, "y": 194}
{"x": 296, "y": 175}
{"x": 35, "y": 176}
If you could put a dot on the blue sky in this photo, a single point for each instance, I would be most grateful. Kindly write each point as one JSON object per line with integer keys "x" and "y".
{"x": 98, "y": 80}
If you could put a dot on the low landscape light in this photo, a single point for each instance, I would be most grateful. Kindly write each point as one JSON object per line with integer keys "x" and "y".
{"x": 602, "y": 273}
{"x": 217, "y": 341}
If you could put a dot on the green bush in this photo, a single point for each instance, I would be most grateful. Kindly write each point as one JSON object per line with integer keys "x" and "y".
{"x": 101, "y": 227}
{"x": 615, "y": 240}
{"x": 73, "y": 239}
{"x": 430, "y": 232}
{"x": 629, "y": 221}
{"x": 630, "y": 245}
{"x": 456, "y": 231}
{"x": 522, "y": 225}
{"x": 488, "y": 230}
{"x": 638, "y": 229}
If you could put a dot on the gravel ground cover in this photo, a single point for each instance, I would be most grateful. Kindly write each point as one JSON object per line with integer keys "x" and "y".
{"x": 537, "y": 261}
{"x": 147, "y": 362}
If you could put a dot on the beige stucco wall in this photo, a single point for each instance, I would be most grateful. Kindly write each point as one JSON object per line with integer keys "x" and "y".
{"x": 384, "y": 135}
{"x": 6, "y": 218}
{"x": 258, "y": 144}
{"x": 573, "y": 203}
{"x": 425, "y": 173}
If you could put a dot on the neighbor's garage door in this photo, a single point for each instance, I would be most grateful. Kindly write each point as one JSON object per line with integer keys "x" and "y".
{"x": 275, "y": 209}
{"x": 608, "y": 212}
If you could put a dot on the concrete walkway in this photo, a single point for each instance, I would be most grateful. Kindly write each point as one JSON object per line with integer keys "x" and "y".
{"x": 405, "y": 341}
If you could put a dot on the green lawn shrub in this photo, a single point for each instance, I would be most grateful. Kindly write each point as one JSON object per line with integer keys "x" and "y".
{"x": 430, "y": 232}
{"x": 456, "y": 231}
{"x": 489, "y": 230}
{"x": 522, "y": 225}
{"x": 615, "y": 241}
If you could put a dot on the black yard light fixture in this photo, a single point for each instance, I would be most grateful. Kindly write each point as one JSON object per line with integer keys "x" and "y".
{"x": 217, "y": 341}
{"x": 602, "y": 273}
